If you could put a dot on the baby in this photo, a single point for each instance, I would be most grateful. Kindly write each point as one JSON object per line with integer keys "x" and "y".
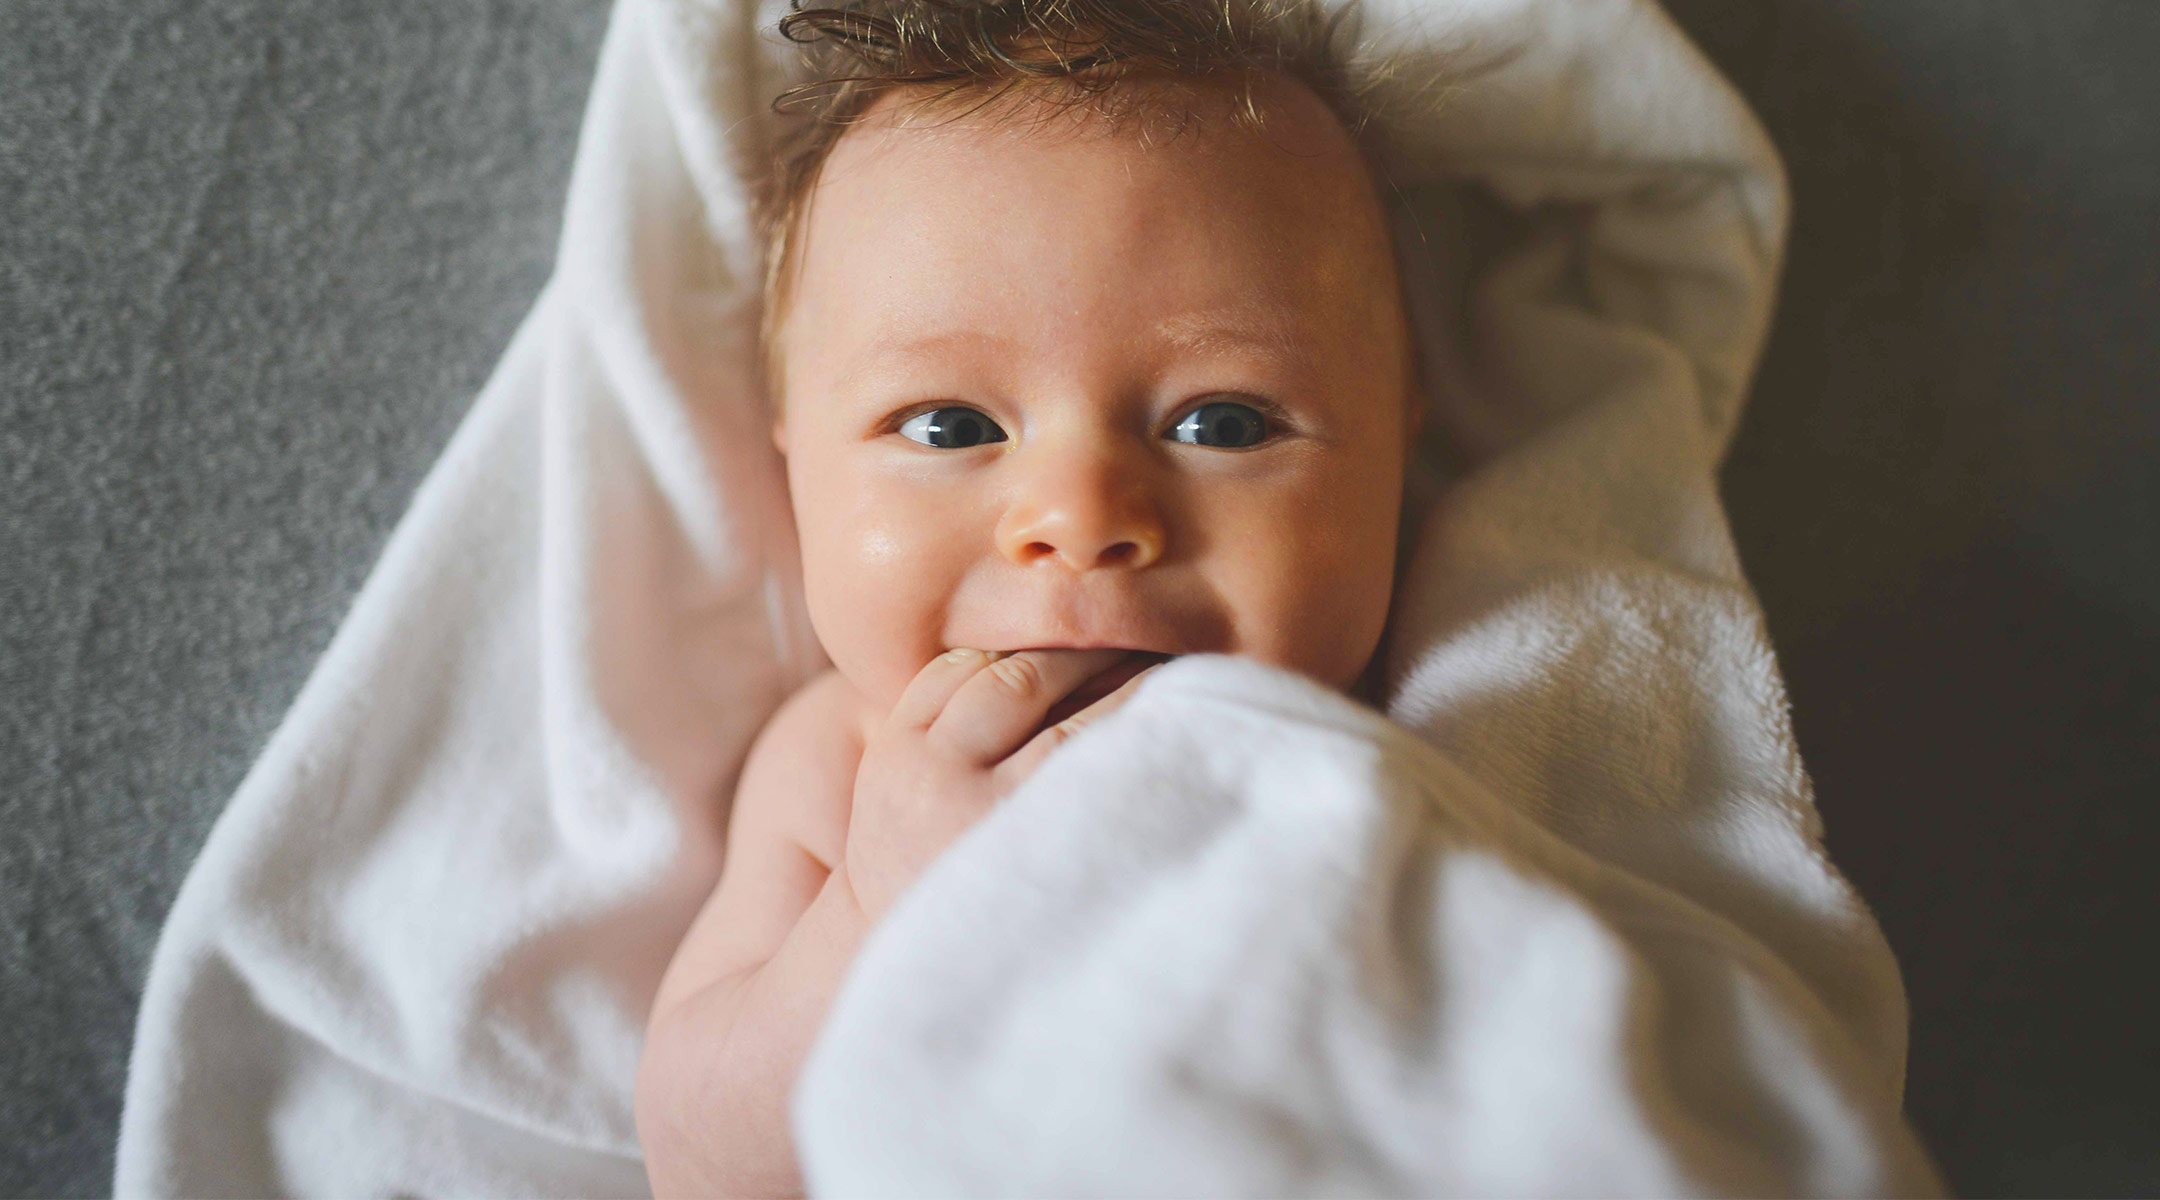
{"x": 1087, "y": 351}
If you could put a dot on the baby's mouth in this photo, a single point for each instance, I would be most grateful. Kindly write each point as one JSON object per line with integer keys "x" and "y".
{"x": 1101, "y": 685}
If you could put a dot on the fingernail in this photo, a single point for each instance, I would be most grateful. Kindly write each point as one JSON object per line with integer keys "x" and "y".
{"x": 961, "y": 654}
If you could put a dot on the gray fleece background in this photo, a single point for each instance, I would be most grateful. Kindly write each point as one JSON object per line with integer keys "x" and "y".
{"x": 256, "y": 258}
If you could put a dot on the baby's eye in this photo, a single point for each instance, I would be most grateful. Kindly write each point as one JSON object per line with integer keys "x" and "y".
{"x": 1222, "y": 424}
{"x": 951, "y": 428}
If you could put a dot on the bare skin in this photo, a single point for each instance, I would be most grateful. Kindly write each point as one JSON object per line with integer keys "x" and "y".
{"x": 1072, "y": 404}
{"x": 750, "y": 985}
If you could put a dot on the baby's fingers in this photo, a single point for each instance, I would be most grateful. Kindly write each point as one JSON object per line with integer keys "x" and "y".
{"x": 933, "y": 687}
{"x": 1015, "y": 770}
{"x": 994, "y": 712}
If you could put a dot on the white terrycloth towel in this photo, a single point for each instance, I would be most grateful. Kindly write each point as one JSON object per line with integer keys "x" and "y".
{"x": 1563, "y": 926}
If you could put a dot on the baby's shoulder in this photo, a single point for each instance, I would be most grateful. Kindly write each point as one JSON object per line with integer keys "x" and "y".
{"x": 800, "y": 777}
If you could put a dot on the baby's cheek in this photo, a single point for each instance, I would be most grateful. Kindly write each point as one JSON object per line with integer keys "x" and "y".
{"x": 877, "y": 550}
{"x": 1319, "y": 599}
{"x": 878, "y": 604}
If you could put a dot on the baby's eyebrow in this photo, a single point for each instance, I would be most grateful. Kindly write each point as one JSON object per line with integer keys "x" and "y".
{"x": 1264, "y": 327}
{"x": 931, "y": 346}
{"x": 942, "y": 343}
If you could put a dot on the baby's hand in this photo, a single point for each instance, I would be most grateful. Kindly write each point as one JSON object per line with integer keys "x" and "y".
{"x": 963, "y": 735}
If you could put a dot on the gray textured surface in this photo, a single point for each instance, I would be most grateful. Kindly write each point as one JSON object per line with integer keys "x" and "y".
{"x": 255, "y": 258}
{"x": 1947, "y": 491}
{"x": 258, "y": 258}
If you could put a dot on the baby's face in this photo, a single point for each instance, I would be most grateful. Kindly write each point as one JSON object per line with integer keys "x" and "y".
{"x": 1051, "y": 387}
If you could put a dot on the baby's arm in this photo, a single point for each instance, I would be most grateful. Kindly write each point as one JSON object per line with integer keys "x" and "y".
{"x": 831, "y": 823}
{"x": 750, "y": 984}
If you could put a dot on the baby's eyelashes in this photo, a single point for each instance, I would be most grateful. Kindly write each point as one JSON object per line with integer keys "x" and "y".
{"x": 1218, "y": 424}
{"x": 951, "y": 428}
{"x": 1222, "y": 423}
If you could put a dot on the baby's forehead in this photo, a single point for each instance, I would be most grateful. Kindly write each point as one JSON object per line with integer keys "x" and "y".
{"x": 1288, "y": 182}
{"x": 1178, "y": 119}
{"x": 1165, "y": 226}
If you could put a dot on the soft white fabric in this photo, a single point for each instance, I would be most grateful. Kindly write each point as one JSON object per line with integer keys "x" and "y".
{"x": 1251, "y": 939}
{"x": 1565, "y": 926}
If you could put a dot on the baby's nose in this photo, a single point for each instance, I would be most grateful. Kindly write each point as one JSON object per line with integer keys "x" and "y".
{"x": 1086, "y": 514}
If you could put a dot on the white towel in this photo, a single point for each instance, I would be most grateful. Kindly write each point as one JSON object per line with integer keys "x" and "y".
{"x": 1247, "y": 938}
{"x": 1572, "y": 932}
